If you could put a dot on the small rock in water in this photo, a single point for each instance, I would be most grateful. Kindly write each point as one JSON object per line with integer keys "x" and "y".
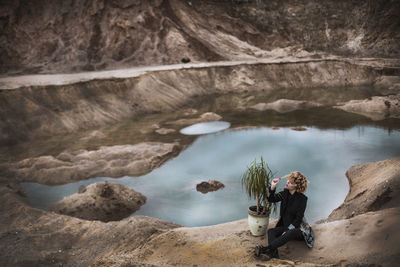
{"x": 209, "y": 186}
{"x": 299, "y": 129}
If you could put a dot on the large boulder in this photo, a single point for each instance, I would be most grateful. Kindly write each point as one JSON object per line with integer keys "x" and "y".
{"x": 103, "y": 201}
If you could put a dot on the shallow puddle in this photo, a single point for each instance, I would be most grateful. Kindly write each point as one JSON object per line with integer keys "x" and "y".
{"x": 322, "y": 155}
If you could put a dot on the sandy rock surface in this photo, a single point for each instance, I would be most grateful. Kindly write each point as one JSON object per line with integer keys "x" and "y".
{"x": 205, "y": 117}
{"x": 164, "y": 131}
{"x": 32, "y": 237}
{"x": 374, "y": 186}
{"x": 391, "y": 84}
{"x": 103, "y": 201}
{"x": 286, "y": 105}
{"x": 376, "y": 107}
{"x": 362, "y": 240}
{"x": 94, "y": 135}
{"x": 110, "y": 161}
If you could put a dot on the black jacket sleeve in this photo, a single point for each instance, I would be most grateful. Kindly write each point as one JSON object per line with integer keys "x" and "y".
{"x": 275, "y": 197}
{"x": 300, "y": 212}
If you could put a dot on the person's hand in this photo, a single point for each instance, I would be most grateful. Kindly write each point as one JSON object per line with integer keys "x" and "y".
{"x": 275, "y": 183}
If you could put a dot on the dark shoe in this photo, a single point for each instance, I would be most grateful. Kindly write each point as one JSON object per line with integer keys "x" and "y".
{"x": 275, "y": 254}
{"x": 263, "y": 253}
{"x": 259, "y": 250}
{"x": 262, "y": 257}
{"x": 270, "y": 252}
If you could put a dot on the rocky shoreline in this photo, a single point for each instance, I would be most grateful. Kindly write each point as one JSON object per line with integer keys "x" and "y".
{"x": 96, "y": 102}
{"x": 34, "y": 237}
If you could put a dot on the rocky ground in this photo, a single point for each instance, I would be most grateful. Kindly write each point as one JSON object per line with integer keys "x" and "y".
{"x": 352, "y": 235}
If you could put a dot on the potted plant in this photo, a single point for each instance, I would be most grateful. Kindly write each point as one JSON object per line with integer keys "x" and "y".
{"x": 256, "y": 180}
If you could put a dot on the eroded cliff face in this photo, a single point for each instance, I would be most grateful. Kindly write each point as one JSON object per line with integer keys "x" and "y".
{"x": 71, "y": 36}
{"x": 40, "y": 111}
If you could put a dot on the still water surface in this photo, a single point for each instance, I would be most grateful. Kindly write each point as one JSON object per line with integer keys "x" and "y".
{"x": 322, "y": 155}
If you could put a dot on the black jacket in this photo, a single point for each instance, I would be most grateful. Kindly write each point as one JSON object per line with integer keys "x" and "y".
{"x": 292, "y": 214}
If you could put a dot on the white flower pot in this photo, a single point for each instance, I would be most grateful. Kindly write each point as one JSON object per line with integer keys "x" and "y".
{"x": 258, "y": 223}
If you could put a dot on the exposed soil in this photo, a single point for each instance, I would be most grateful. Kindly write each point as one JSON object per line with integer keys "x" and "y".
{"x": 306, "y": 53}
{"x": 73, "y": 36}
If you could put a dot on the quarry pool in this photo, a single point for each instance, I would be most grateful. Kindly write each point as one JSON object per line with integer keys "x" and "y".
{"x": 323, "y": 156}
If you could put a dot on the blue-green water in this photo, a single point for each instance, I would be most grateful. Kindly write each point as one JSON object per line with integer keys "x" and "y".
{"x": 322, "y": 155}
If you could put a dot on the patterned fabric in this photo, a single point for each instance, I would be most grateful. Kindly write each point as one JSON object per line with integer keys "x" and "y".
{"x": 307, "y": 232}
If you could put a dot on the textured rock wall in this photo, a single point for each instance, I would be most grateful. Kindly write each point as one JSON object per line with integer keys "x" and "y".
{"x": 63, "y": 36}
{"x": 45, "y": 36}
{"x": 344, "y": 27}
{"x": 33, "y": 112}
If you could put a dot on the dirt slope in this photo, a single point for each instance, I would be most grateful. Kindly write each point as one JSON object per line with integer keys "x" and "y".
{"x": 71, "y": 36}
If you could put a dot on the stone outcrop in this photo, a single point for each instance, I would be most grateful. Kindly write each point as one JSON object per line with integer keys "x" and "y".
{"x": 103, "y": 201}
{"x": 375, "y": 108}
{"x": 111, "y": 161}
{"x": 373, "y": 186}
{"x": 286, "y": 105}
{"x": 209, "y": 186}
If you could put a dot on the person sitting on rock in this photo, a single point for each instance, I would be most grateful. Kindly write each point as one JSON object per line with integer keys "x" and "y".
{"x": 293, "y": 206}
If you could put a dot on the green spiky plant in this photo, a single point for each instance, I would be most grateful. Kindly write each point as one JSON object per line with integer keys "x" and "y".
{"x": 256, "y": 180}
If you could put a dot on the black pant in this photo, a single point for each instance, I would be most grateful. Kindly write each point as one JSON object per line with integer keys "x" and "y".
{"x": 276, "y": 239}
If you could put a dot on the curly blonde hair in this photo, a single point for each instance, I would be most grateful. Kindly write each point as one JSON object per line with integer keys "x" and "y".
{"x": 300, "y": 180}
